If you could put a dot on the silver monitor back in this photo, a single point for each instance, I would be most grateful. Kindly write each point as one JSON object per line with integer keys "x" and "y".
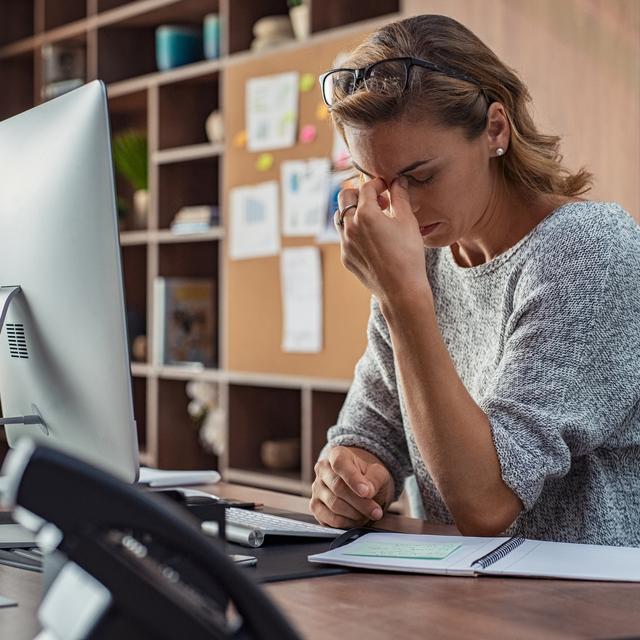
{"x": 63, "y": 350}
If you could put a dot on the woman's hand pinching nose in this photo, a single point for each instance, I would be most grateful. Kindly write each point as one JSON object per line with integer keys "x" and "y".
{"x": 384, "y": 247}
{"x": 400, "y": 200}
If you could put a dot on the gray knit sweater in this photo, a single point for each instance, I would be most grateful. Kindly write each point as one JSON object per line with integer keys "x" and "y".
{"x": 546, "y": 339}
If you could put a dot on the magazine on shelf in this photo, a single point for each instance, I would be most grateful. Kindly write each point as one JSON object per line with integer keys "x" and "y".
{"x": 185, "y": 321}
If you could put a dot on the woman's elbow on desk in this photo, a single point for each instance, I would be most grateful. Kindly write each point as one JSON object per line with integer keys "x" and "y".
{"x": 487, "y": 519}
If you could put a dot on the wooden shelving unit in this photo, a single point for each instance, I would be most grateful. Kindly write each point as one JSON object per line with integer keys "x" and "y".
{"x": 184, "y": 168}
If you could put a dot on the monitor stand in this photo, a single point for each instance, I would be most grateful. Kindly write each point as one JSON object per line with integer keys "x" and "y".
{"x": 6, "y": 295}
{"x": 12, "y": 535}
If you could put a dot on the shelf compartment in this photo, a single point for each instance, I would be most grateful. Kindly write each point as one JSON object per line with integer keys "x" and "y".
{"x": 325, "y": 407}
{"x": 134, "y": 270}
{"x": 128, "y": 110}
{"x": 62, "y": 12}
{"x": 17, "y": 73}
{"x": 159, "y": 78}
{"x": 257, "y": 414}
{"x": 126, "y": 35}
{"x": 125, "y": 53}
{"x": 184, "y": 108}
{"x": 193, "y": 260}
{"x": 186, "y": 183}
{"x": 189, "y": 260}
{"x": 243, "y": 14}
{"x": 17, "y": 22}
{"x": 178, "y": 439}
{"x": 128, "y": 113}
{"x": 329, "y": 14}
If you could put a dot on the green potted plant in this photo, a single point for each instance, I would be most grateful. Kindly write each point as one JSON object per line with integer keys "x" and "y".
{"x": 130, "y": 158}
{"x": 299, "y": 14}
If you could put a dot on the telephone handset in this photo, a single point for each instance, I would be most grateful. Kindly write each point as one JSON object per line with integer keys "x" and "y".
{"x": 137, "y": 565}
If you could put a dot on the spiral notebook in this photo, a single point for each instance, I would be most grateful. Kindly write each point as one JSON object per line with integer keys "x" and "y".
{"x": 469, "y": 556}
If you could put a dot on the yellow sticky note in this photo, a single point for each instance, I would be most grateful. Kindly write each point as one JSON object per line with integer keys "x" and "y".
{"x": 322, "y": 113}
{"x": 240, "y": 139}
{"x": 264, "y": 162}
{"x": 307, "y": 82}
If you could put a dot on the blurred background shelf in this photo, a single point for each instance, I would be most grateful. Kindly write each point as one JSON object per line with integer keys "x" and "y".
{"x": 184, "y": 168}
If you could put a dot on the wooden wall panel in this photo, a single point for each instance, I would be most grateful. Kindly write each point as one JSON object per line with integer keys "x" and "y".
{"x": 581, "y": 62}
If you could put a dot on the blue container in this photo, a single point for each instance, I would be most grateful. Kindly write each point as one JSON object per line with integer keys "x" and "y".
{"x": 211, "y": 35}
{"x": 177, "y": 45}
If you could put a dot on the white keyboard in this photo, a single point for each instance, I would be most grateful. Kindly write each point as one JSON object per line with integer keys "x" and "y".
{"x": 249, "y": 527}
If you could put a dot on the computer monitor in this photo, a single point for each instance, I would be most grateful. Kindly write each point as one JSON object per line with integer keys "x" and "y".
{"x": 64, "y": 358}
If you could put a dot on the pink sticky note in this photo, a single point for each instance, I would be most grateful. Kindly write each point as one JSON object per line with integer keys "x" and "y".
{"x": 308, "y": 133}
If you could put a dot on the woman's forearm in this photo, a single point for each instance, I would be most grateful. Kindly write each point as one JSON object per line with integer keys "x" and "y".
{"x": 452, "y": 432}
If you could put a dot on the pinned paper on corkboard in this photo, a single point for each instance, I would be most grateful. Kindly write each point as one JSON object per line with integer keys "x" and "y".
{"x": 305, "y": 188}
{"x": 271, "y": 111}
{"x": 254, "y": 229}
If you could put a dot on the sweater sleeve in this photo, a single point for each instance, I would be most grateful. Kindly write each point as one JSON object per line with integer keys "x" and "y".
{"x": 568, "y": 381}
{"x": 371, "y": 418}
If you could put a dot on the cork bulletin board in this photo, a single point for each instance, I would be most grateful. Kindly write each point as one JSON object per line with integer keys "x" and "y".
{"x": 252, "y": 317}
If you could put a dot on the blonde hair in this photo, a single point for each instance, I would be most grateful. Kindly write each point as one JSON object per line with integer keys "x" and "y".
{"x": 533, "y": 162}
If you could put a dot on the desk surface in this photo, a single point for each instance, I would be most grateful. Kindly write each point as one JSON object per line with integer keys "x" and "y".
{"x": 405, "y": 606}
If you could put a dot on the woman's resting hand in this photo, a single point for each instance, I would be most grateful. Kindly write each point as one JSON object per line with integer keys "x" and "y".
{"x": 351, "y": 488}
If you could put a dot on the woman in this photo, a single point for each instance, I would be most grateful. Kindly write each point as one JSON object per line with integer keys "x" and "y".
{"x": 503, "y": 361}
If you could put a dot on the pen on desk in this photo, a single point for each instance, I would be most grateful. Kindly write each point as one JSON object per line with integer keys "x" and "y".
{"x": 239, "y": 504}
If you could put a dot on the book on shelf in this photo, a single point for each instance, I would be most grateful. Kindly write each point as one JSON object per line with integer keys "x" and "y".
{"x": 185, "y": 321}
{"x": 195, "y": 219}
{"x": 63, "y": 69}
{"x": 55, "y": 89}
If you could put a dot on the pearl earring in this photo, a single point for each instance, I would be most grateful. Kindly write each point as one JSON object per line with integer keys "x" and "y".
{"x": 499, "y": 151}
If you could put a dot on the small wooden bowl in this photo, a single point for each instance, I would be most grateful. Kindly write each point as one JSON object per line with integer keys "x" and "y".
{"x": 281, "y": 455}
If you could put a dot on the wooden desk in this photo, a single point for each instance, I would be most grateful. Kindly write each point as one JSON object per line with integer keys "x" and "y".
{"x": 382, "y": 606}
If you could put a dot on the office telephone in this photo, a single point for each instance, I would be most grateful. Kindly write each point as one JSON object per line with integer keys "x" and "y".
{"x": 136, "y": 565}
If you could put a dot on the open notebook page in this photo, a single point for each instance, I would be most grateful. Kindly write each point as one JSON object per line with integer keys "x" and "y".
{"x": 538, "y": 559}
{"x": 447, "y": 555}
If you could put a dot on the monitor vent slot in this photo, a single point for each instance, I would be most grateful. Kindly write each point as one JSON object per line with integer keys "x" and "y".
{"x": 17, "y": 341}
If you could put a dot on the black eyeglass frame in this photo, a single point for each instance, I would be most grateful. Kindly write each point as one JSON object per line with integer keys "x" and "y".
{"x": 360, "y": 75}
